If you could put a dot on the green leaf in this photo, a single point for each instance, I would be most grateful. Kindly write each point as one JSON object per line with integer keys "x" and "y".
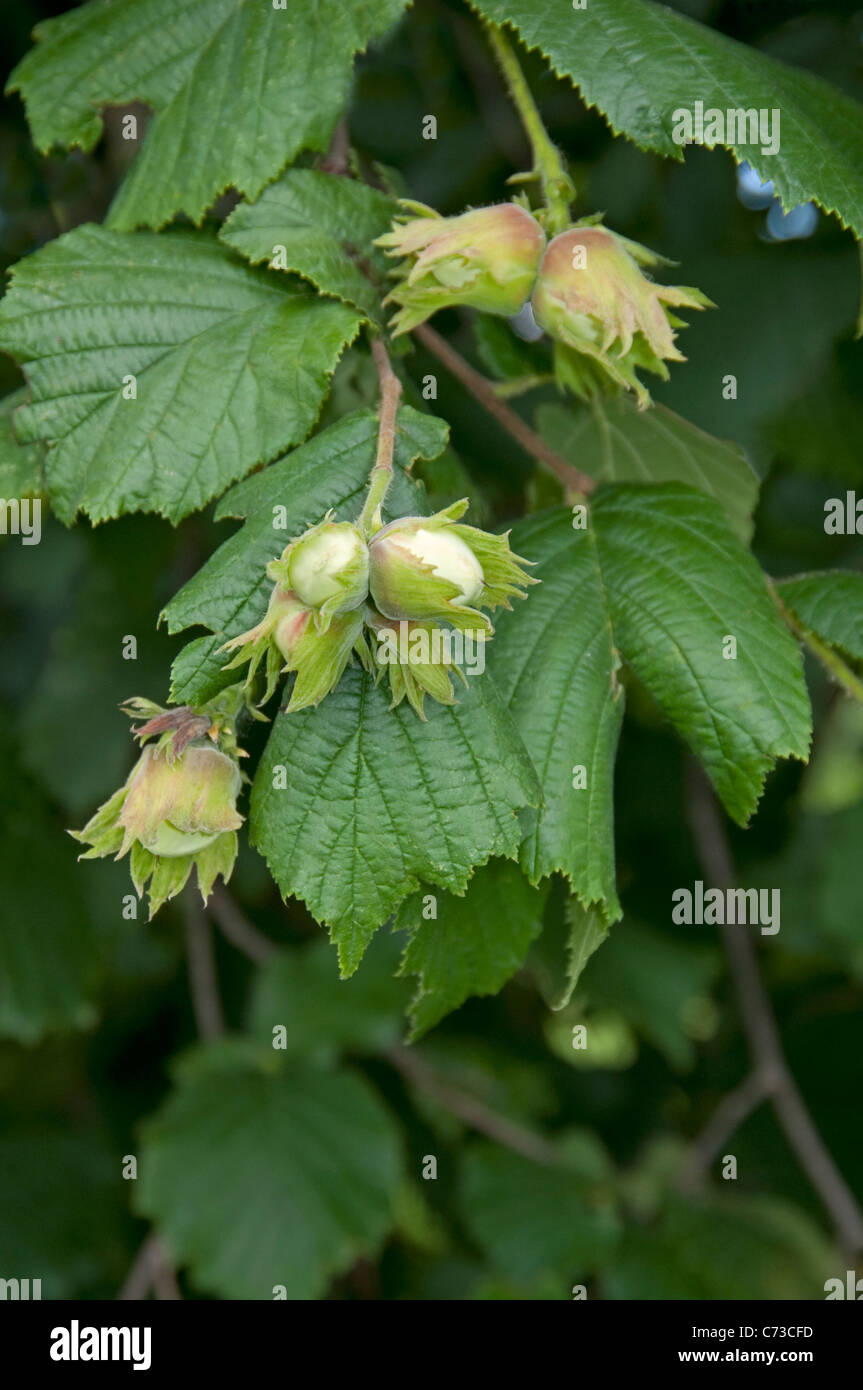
{"x": 48, "y": 955}
{"x": 588, "y": 928}
{"x": 568, "y": 941}
{"x": 21, "y": 465}
{"x": 615, "y": 442}
{"x": 387, "y": 802}
{"x": 256, "y": 1181}
{"x": 231, "y": 367}
{"x": 555, "y": 661}
{"x": 658, "y": 580}
{"x": 239, "y": 88}
{"x": 326, "y": 225}
{"x": 472, "y": 945}
{"x": 638, "y": 63}
{"x": 533, "y": 1219}
{"x": 301, "y": 992}
{"x": 678, "y": 584}
{"x": 229, "y": 593}
{"x": 830, "y": 604}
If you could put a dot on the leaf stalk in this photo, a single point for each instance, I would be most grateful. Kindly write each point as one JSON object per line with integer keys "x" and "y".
{"x": 381, "y": 475}
{"x": 558, "y": 190}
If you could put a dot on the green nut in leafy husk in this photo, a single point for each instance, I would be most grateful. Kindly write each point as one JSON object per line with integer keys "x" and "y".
{"x": 287, "y": 639}
{"x": 608, "y": 318}
{"x": 177, "y": 809}
{"x": 437, "y": 568}
{"x": 327, "y": 569}
{"x": 486, "y": 258}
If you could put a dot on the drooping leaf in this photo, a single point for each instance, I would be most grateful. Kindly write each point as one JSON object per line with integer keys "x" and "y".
{"x": 256, "y": 1181}
{"x": 229, "y": 593}
{"x": 326, "y": 226}
{"x": 639, "y": 63}
{"x": 534, "y": 1219}
{"x": 472, "y": 944}
{"x": 569, "y": 939}
{"x": 614, "y": 442}
{"x": 229, "y": 366}
{"x": 830, "y": 604}
{"x": 679, "y": 585}
{"x": 386, "y": 801}
{"x": 239, "y": 87}
{"x": 658, "y": 580}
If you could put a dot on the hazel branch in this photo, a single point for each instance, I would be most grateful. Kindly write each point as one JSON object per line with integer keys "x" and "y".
{"x": 574, "y": 481}
{"x": 381, "y": 475}
{"x": 773, "y": 1077}
{"x": 729, "y": 1115}
{"x": 238, "y": 929}
{"x": 470, "y": 1111}
{"x": 151, "y": 1269}
{"x": 201, "y": 963}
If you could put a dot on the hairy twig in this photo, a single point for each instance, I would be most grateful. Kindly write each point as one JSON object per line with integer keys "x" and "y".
{"x": 770, "y": 1065}
{"x": 484, "y": 391}
{"x": 382, "y": 472}
{"x": 470, "y": 1111}
{"x": 201, "y": 963}
{"x": 548, "y": 165}
{"x": 238, "y": 929}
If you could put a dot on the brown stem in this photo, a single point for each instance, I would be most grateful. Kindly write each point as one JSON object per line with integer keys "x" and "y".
{"x": 391, "y": 390}
{"x": 726, "y": 1119}
{"x": 470, "y": 1111}
{"x": 762, "y": 1033}
{"x": 238, "y": 929}
{"x": 201, "y": 963}
{"x": 337, "y": 159}
{"x": 483, "y": 390}
{"x": 151, "y": 1269}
